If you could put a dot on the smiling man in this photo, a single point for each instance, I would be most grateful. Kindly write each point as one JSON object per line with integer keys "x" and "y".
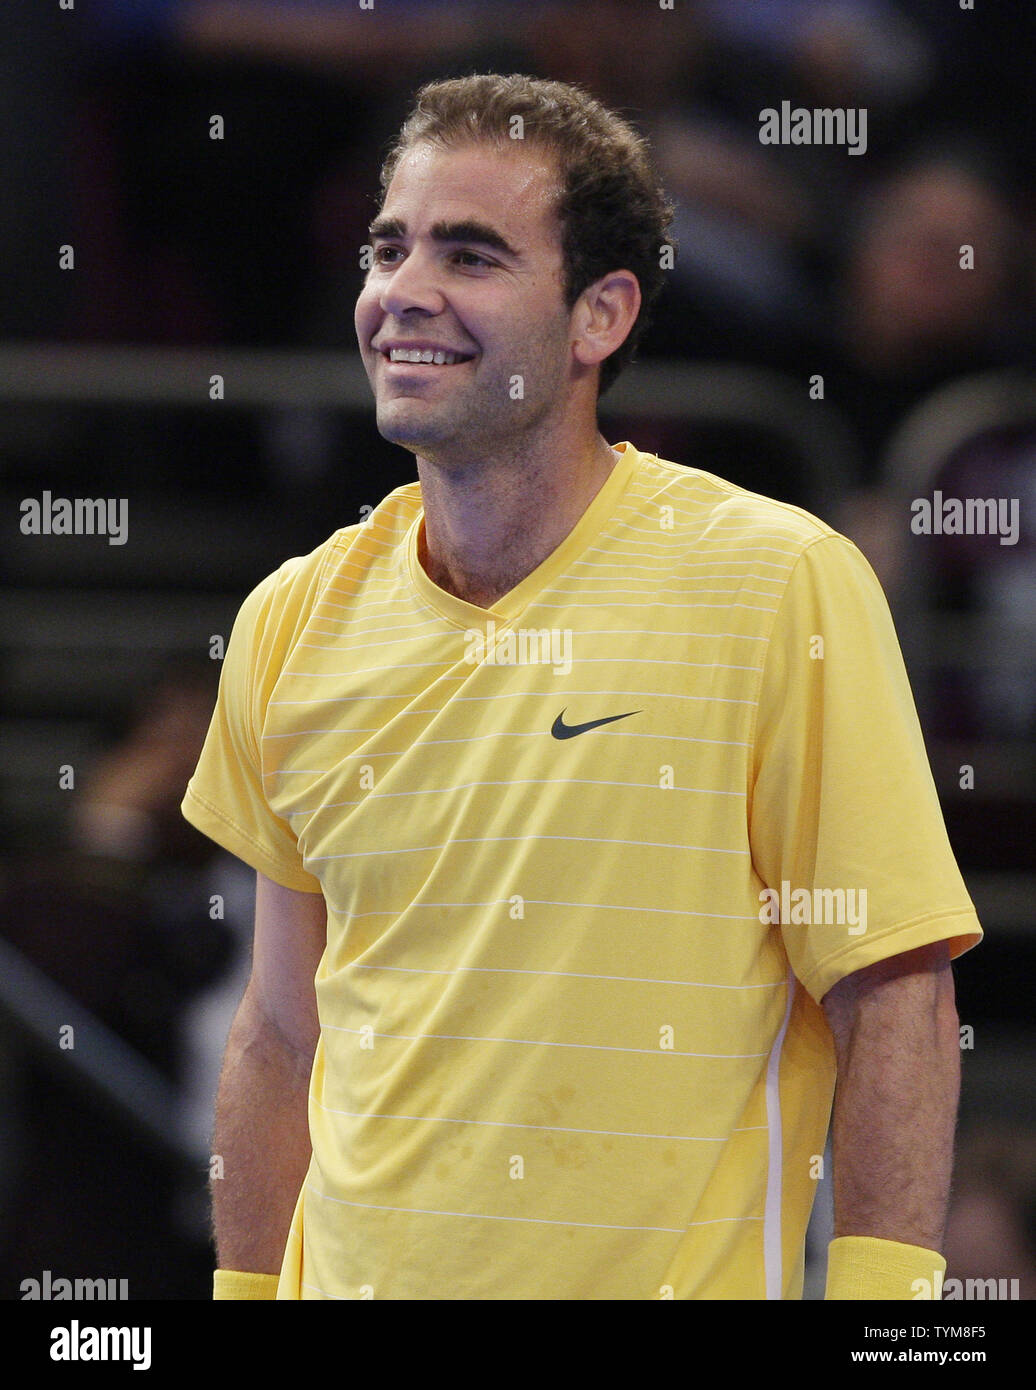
{"x": 520, "y": 1023}
{"x": 468, "y": 261}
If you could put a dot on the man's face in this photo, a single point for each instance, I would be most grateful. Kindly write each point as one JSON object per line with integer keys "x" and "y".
{"x": 467, "y": 258}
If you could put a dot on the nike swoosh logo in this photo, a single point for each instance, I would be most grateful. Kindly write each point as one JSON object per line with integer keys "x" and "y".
{"x": 562, "y": 730}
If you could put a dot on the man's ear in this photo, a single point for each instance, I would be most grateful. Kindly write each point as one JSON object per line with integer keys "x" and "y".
{"x": 604, "y": 315}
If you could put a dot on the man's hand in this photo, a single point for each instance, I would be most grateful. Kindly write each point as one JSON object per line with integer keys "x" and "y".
{"x": 896, "y": 1037}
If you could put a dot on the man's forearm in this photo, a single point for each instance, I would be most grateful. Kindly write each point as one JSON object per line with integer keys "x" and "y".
{"x": 262, "y": 1136}
{"x": 895, "y": 1109}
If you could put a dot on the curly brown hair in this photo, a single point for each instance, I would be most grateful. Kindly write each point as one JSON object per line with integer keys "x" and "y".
{"x": 613, "y": 211}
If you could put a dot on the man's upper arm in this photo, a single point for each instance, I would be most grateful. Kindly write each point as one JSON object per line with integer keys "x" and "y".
{"x": 226, "y": 797}
{"x": 843, "y": 799}
{"x": 290, "y": 934}
{"x": 915, "y": 981}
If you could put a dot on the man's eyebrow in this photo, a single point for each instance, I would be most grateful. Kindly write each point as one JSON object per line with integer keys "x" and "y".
{"x": 386, "y": 227}
{"x": 479, "y": 232}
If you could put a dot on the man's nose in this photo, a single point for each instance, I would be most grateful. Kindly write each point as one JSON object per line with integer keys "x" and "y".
{"x": 413, "y": 284}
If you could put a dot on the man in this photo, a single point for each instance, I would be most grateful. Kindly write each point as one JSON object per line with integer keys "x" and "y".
{"x": 590, "y": 790}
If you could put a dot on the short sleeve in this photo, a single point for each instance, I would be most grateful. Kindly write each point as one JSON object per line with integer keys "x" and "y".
{"x": 224, "y": 798}
{"x": 844, "y": 819}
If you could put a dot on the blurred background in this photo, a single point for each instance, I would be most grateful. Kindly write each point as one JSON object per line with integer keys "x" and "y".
{"x": 139, "y": 256}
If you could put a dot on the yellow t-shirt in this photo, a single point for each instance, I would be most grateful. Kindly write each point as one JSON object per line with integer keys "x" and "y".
{"x": 591, "y": 860}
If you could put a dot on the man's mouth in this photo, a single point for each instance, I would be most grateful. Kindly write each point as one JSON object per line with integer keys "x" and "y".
{"x": 437, "y": 357}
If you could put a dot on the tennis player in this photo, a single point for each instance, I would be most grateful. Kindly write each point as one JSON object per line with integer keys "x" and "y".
{"x": 594, "y": 832}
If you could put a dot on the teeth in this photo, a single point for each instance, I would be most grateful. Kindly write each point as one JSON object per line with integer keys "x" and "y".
{"x": 438, "y": 356}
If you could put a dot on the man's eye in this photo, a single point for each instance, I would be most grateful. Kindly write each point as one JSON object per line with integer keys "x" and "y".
{"x": 382, "y": 253}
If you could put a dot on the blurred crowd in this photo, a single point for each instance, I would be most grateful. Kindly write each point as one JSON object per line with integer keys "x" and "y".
{"x": 801, "y": 257}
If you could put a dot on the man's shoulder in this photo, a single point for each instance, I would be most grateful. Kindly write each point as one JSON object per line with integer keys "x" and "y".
{"x": 295, "y": 586}
{"x": 706, "y": 505}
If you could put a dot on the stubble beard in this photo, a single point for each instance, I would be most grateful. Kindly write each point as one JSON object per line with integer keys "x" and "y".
{"x": 459, "y": 434}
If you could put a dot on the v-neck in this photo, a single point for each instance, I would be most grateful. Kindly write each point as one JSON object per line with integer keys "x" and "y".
{"x": 511, "y": 604}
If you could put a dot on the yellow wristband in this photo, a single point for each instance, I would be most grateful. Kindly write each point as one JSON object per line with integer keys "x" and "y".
{"x": 234, "y": 1283}
{"x": 864, "y": 1267}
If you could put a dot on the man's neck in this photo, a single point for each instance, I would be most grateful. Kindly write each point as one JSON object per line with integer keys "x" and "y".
{"x": 489, "y": 526}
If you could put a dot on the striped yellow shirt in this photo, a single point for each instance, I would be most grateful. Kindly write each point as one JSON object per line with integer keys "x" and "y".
{"x": 591, "y": 860}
